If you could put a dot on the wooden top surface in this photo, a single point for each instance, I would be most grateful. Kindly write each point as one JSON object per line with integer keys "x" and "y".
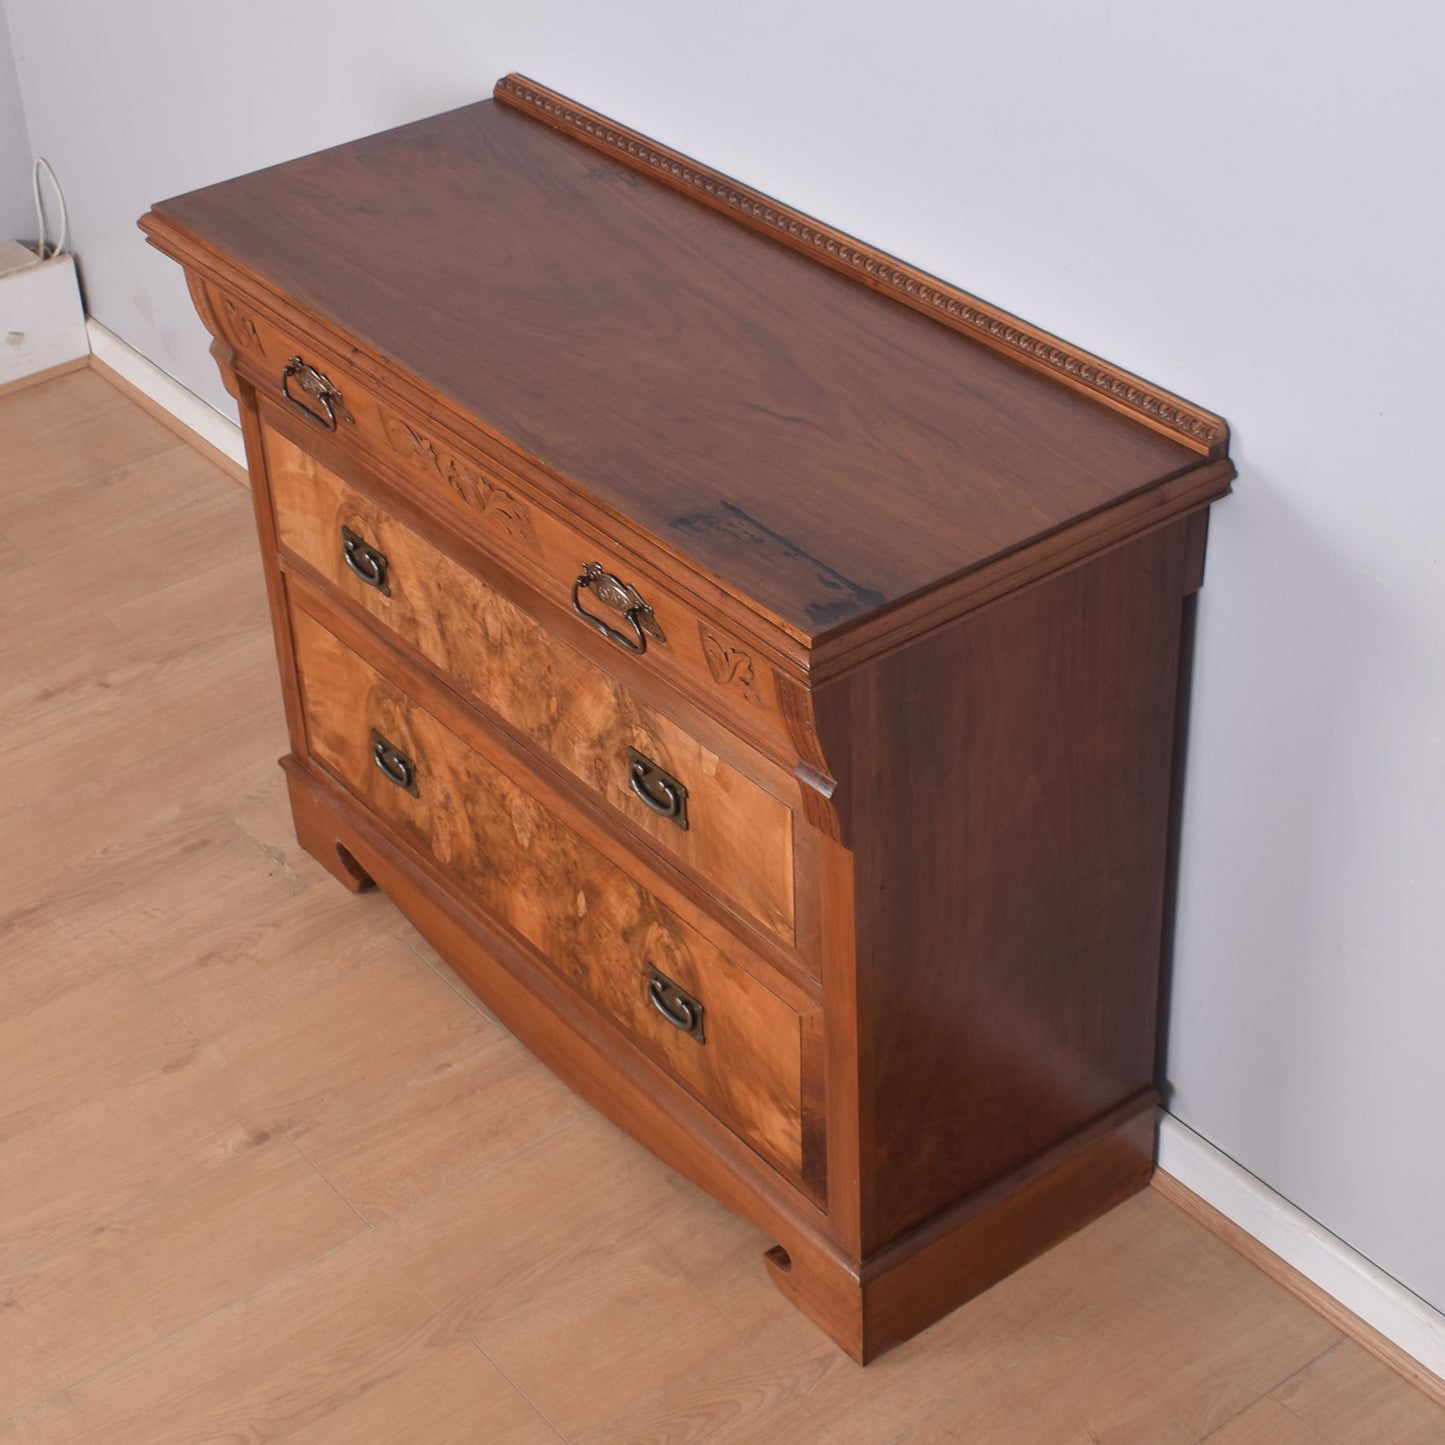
{"x": 821, "y": 449}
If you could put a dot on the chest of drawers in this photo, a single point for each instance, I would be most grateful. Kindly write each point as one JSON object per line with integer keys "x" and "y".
{"x": 752, "y": 663}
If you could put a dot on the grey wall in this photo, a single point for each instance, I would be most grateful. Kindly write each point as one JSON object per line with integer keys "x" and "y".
{"x": 1239, "y": 201}
{"x": 17, "y": 210}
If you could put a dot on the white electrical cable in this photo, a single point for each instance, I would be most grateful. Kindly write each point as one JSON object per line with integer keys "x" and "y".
{"x": 40, "y": 222}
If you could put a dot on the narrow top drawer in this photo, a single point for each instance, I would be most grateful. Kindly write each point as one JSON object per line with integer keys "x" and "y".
{"x": 615, "y": 584}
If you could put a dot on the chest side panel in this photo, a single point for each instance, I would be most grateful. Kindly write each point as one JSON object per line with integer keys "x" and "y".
{"x": 1008, "y": 782}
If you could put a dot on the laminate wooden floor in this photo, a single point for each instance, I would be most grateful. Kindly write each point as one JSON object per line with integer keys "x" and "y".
{"x": 268, "y": 1174}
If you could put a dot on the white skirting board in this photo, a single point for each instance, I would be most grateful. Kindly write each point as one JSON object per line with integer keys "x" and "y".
{"x": 1382, "y": 1302}
{"x": 187, "y": 408}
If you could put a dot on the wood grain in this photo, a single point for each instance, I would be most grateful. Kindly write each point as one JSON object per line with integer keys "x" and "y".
{"x": 930, "y": 1271}
{"x": 649, "y": 1253}
{"x": 278, "y": 1360}
{"x": 79, "y": 436}
{"x": 114, "y": 892}
{"x": 650, "y": 324}
{"x": 885, "y": 273}
{"x": 1266, "y": 1422}
{"x": 217, "y": 970}
{"x": 120, "y": 1031}
{"x": 48, "y": 404}
{"x": 212, "y": 453}
{"x": 146, "y": 894}
{"x": 528, "y": 996}
{"x": 595, "y": 924}
{"x": 1142, "y": 1327}
{"x": 116, "y": 725}
{"x": 389, "y": 1145}
{"x": 738, "y": 837}
{"x": 1351, "y": 1397}
{"x": 720, "y": 666}
{"x": 1366, "y": 1336}
{"x": 460, "y": 1394}
{"x": 952, "y": 615}
{"x": 273, "y": 1074}
{"x": 488, "y": 489}
{"x": 164, "y": 1262}
{"x": 1008, "y": 943}
{"x": 1111, "y": 1336}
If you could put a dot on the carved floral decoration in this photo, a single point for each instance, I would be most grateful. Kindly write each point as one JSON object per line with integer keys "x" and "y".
{"x": 482, "y": 496}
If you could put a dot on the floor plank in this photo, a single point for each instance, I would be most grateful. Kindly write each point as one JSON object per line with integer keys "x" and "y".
{"x": 31, "y": 415}
{"x": 121, "y": 720}
{"x": 1266, "y": 1422}
{"x": 1349, "y": 1398}
{"x": 116, "y": 1029}
{"x": 271, "y": 1363}
{"x": 170, "y": 1259}
{"x": 460, "y": 1394}
{"x": 121, "y": 504}
{"x": 221, "y": 602}
{"x": 391, "y": 1146}
{"x": 275, "y": 1074}
{"x": 152, "y": 890}
{"x": 218, "y": 971}
{"x": 50, "y": 448}
{"x": 521, "y": 1248}
{"x": 12, "y": 559}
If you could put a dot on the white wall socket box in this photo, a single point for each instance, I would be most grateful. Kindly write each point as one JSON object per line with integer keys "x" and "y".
{"x": 41, "y": 321}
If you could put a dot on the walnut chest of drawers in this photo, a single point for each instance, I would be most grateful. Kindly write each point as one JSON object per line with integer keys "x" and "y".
{"x": 752, "y": 663}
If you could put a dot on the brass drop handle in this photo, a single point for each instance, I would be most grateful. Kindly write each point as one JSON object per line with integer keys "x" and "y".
{"x": 675, "y": 1004}
{"x": 365, "y": 561}
{"x": 311, "y": 383}
{"x": 617, "y": 595}
{"x": 393, "y": 764}
{"x": 658, "y": 789}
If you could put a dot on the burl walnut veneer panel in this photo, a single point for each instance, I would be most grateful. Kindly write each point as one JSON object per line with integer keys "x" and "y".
{"x": 753, "y": 663}
{"x": 739, "y": 836}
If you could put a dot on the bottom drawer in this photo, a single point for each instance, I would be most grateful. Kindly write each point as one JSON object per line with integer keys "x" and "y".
{"x": 711, "y": 1024}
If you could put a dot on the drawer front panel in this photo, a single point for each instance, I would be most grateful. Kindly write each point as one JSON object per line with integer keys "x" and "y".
{"x": 738, "y": 836}
{"x": 707, "y": 658}
{"x": 708, "y": 1022}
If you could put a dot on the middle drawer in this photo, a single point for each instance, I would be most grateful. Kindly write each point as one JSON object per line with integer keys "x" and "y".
{"x": 733, "y": 832}
{"x": 709, "y": 1022}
